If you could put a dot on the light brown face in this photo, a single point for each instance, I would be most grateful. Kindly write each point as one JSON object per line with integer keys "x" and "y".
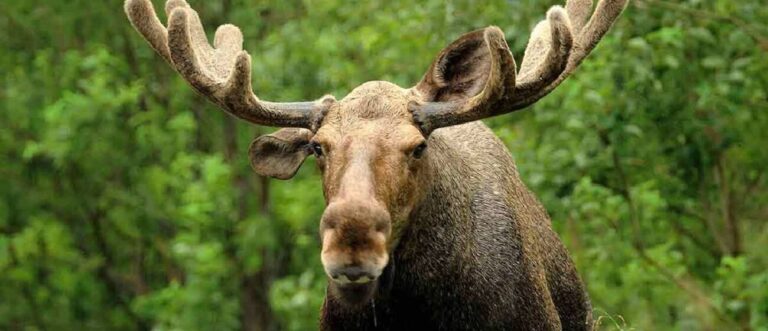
{"x": 371, "y": 155}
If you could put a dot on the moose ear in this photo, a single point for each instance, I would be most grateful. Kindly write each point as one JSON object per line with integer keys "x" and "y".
{"x": 280, "y": 154}
{"x": 467, "y": 67}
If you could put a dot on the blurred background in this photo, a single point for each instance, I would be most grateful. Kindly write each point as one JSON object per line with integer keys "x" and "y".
{"x": 127, "y": 201}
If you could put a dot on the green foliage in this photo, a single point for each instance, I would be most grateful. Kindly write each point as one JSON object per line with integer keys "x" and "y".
{"x": 127, "y": 201}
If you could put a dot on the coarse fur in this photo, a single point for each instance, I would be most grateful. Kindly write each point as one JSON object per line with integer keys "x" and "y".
{"x": 427, "y": 225}
{"x": 478, "y": 251}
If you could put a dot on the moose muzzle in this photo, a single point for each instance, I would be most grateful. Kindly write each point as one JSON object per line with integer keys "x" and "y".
{"x": 354, "y": 238}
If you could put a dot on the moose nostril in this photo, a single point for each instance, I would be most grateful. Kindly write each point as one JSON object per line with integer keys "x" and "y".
{"x": 352, "y": 274}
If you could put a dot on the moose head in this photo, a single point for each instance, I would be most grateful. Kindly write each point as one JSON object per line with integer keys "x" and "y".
{"x": 373, "y": 146}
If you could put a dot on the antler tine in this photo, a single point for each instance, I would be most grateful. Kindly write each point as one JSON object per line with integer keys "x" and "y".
{"x": 578, "y": 11}
{"x": 546, "y": 55}
{"x": 601, "y": 21}
{"x": 585, "y": 37}
{"x": 221, "y": 72}
{"x": 185, "y": 51}
{"x": 142, "y": 15}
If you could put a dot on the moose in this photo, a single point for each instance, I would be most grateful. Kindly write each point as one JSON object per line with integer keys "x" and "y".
{"x": 427, "y": 224}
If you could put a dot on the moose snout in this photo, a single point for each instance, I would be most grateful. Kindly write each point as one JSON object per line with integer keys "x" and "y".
{"x": 354, "y": 237}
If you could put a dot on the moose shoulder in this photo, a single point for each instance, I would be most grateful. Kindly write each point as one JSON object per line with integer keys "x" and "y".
{"x": 427, "y": 223}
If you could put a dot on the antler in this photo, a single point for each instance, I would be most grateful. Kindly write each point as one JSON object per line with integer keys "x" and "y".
{"x": 557, "y": 46}
{"x": 222, "y": 73}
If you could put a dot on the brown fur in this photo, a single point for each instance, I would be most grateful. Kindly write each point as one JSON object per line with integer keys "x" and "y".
{"x": 444, "y": 237}
{"x": 476, "y": 250}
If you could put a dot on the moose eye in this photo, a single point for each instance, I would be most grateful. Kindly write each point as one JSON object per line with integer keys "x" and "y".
{"x": 419, "y": 150}
{"x": 316, "y": 148}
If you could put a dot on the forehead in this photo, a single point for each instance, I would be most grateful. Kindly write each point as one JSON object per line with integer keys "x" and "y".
{"x": 373, "y": 111}
{"x": 378, "y": 100}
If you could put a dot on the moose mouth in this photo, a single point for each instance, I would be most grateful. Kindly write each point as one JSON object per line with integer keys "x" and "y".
{"x": 354, "y": 293}
{"x": 361, "y": 290}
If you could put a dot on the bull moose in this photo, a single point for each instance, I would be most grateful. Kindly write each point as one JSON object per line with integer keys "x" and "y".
{"x": 427, "y": 224}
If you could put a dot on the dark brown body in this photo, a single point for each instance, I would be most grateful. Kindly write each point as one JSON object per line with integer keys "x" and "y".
{"x": 478, "y": 253}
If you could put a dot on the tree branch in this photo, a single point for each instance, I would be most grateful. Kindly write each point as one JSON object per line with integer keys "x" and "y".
{"x": 684, "y": 283}
{"x": 104, "y": 270}
{"x": 27, "y": 292}
{"x": 727, "y": 211}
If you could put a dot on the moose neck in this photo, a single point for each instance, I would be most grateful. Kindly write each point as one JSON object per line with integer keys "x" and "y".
{"x": 441, "y": 230}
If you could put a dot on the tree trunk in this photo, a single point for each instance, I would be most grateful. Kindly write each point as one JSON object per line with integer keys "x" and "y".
{"x": 730, "y": 223}
{"x": 255, "y": 312}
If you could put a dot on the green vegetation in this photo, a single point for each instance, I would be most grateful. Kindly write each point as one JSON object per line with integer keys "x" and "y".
{"x": 127, "y": 202}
